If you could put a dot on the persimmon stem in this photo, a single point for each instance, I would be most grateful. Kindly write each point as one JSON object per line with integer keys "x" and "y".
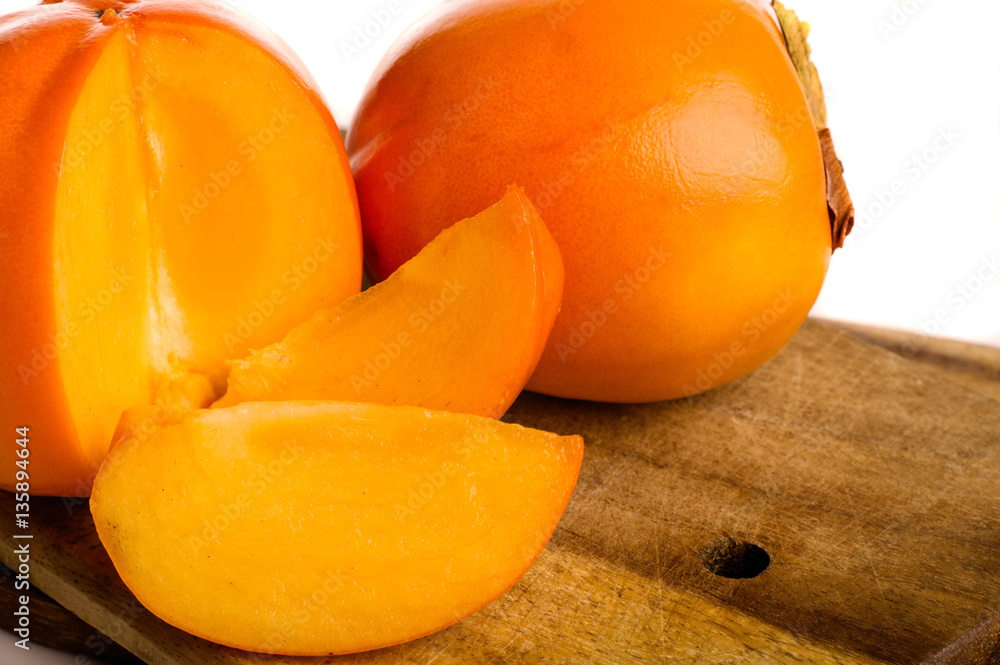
{"x": 838, "y": 198}
{"x": 108, "y": 16}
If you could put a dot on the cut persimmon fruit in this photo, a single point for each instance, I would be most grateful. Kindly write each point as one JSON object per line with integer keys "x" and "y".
{"x": 160, "y": 216}
{"x": 460, "y": 327}
{"x": 309, "y": 528}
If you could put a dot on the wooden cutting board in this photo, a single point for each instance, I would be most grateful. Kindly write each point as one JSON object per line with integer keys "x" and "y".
{"x": 870, "y": 480}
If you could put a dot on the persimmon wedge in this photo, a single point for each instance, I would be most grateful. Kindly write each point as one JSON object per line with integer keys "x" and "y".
{"x": 308, "y": 528}
{"x": 460, "y": 327}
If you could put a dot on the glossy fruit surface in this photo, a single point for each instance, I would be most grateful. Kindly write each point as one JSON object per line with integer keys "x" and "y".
{"x": 174, "y": 192}
{"x": 460, "y": 327}
{"x": 668, "y": 145}
{"x": 318, "y": 528}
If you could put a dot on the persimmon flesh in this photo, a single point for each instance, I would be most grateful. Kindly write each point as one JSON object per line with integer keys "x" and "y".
{"x": 319, "y": 528}
{"x": 460, "y": 327}
{"x": 174, "y": 193}
{"x": 670, "y": 148}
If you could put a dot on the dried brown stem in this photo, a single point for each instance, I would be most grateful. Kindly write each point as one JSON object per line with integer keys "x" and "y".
{"x": 838, "y": 200}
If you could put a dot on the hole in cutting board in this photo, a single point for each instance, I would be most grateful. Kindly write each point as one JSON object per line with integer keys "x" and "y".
{"x": 734, "y": 559}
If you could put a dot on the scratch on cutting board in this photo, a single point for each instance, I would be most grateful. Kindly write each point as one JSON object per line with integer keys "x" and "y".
{"x": 878, "y": 583}
{"x": 517, "y": 635}
{"x": 794, "y": 404}
{"x": 659, "y": 597}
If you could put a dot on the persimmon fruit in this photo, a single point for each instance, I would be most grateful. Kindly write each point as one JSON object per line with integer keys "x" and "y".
{"x": 676, "y": 150}
{"x": 460, "y": 327}
{"x": 320, "y": 528}
{"x": 174, "y": 192}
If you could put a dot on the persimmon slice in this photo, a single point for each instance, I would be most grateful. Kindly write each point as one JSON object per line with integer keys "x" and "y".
{"x": 309, "y": 528}
{"x": 459, "y": 328}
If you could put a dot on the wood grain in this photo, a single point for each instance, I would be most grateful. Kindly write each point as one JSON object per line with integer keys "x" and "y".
{"x": 870, "y": 480}
{"x": 972, "y": 365}
{"x": 980, "y": 646}
{"x": 55, "y": 627}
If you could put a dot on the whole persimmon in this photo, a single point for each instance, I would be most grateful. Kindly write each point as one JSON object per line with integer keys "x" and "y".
{"x": 669, "y": 145}
{"x": 174, "y": 192}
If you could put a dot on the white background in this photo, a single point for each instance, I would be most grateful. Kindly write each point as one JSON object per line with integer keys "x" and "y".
{"x": 898, "y": 74}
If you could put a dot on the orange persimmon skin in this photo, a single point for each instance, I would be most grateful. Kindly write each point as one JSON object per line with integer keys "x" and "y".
{"x": 57, "y": 46}
{"x": 47, "y": 53}
{"x": 683, "y": 184}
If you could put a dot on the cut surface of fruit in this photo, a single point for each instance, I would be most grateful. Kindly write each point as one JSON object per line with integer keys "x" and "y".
{"x": 101, "y": 248}
{"x": 166, "y": 216}
{"x": 459, "y": 328}
{"x": 311, "y": 528}
{"x": 175, "y": 400}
